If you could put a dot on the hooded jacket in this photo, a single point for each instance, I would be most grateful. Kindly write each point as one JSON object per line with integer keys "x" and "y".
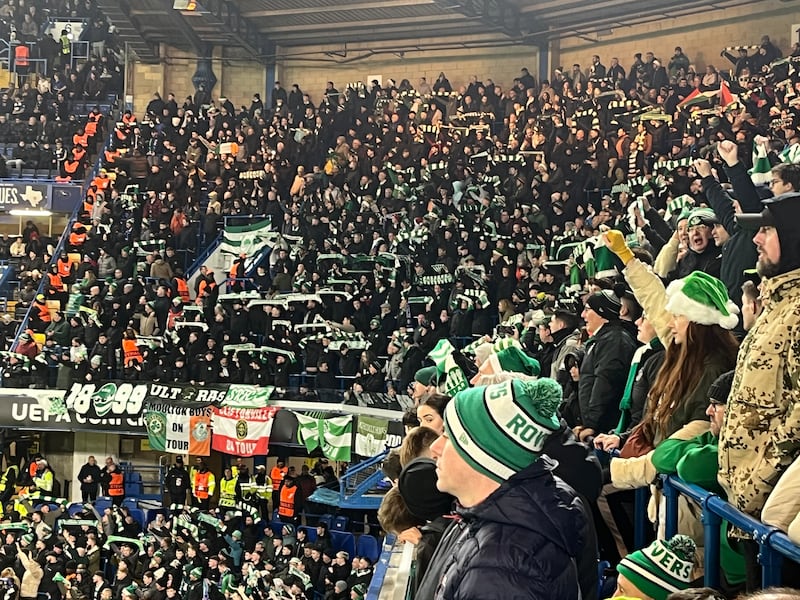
{"x": 519, "y": 543}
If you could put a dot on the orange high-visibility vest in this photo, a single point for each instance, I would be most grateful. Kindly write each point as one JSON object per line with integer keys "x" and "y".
{"x": 201, "y": 484}
{"x": 56, "y": 284}
{"x": 64, "y": 267}
{"x": 286, "y": 506}
{"x": 82, "y": 140}
{"x": 183, "y": 288}
{"x": 21, "y": 55}
{"x": 117, "y": 485}
{"x": 130, "y": 352}
{"x": 277, "y": 476}
{"x": 44, "y": 312}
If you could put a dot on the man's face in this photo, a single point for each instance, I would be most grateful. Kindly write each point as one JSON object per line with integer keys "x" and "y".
{"x": 778, "y": 186}
{"x": 453, "y": 472}
{"x": 716, "y": 415}
{"x": 720, "y": 235}
{"x": 593, "y": 320}
{"x": 768, "y": 247}
{"x": 699, "y": 236}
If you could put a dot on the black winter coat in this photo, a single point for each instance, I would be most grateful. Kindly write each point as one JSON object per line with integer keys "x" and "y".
{"x": 604, "y": 373}
{"x": 519, "y": 543}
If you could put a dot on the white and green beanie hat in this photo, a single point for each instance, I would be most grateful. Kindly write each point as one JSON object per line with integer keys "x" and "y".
{"x": 702, "y": 299}
{"x": 501, "y": 429}
{"x": 664, "y": 567}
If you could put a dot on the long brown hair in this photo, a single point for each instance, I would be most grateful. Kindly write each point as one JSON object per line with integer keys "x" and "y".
{"x": 681, "y": 372}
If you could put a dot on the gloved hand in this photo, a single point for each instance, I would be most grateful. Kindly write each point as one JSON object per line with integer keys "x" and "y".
{"x": 615, "y": 242}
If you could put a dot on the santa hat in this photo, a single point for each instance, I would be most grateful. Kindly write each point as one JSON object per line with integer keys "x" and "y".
{"x": 702, "y": 299}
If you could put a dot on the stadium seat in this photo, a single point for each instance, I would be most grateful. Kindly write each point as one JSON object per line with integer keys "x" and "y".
{"x": 138, "y": 516}
{"x": 130, "y": 503}
{"x": 340, "y": 523}
{"x": 328, "y": 520}
{"x": 102, "y": 503}
{"x": 344, "y": 540}
{"x": 311, "y": 533}
{"x": 368, "y": 546}
{"x": 73, "y": 509}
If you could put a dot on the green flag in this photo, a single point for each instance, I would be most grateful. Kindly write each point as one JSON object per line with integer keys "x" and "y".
{"x": 332, "y": 435}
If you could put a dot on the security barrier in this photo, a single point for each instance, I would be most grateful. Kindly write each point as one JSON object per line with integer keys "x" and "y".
{"x": 774, "y": 545}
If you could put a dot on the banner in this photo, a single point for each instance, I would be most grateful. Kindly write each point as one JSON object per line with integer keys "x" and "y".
{"x": 30, "y": 410}
{"x": 371, "y": 434}
{"x": 334, "y": 436}
{"x": 179, "y": 429}
{"x": 24, "y": 196}
{"x": 247, "y": 396}
{"x": 242, "y": 431}
{"x": 248, "y": 239}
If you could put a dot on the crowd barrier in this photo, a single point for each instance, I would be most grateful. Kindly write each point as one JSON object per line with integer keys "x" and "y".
{"x": 774, "y": 545}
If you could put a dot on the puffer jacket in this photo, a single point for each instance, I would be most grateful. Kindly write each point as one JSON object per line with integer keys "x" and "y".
{"x": 519, "y": 543}
{"x": 32, "y": 576}
{"x": 761, "y": 434}
{"x": 604, "y": 373}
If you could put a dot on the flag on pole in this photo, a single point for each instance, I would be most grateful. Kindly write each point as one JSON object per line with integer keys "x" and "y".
{"x": 725, "y": 95}
{"x": 760, "y": 173}
{"x": 334, "y": 435}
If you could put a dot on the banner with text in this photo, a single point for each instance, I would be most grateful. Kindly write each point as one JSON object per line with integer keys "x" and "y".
{"x": 179, "y": 429}
{"x": 242, "y": 431}
{"x": 371, "y": 433}
{"x": 24, "y": 195}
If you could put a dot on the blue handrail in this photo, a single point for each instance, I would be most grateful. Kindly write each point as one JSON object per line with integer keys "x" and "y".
{"x": 381, "y": 567}
{"x": 774, "y": 545}
{"x": 67, "y": 230}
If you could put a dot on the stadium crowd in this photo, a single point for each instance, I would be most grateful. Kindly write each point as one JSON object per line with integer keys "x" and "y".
{"x": 578, "y": 249}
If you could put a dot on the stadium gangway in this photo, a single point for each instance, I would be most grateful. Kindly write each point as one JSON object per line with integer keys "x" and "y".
{"x": 774, "y": 545}
{"x": 62, "y": 242}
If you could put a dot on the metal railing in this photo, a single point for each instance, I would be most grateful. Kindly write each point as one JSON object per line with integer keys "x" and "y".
{"x": 774, "y": 544}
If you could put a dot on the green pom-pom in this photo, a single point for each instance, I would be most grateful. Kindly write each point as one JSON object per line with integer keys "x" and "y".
{"x": 545, "y": 394}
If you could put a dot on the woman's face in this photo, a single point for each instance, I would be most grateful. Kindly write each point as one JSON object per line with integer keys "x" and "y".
{"x": 431, "y": 419}
{"x": 679, "y": 326}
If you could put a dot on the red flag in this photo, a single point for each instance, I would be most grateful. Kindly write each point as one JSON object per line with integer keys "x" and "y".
{"x": 725, "y": 96}
{"x": 695, "y": 93}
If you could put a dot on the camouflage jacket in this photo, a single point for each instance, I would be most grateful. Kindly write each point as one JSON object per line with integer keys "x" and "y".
{"x": 761, "y": 434}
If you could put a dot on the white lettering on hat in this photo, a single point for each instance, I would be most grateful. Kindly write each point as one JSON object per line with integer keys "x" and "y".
{"x": 673, "y": 565}
{"x": 506, "y": 412}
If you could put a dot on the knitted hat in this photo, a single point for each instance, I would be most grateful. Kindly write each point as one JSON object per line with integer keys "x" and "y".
{"x": 719, "y": 391}
{"x": 27, "y": 539}
{"x": 702, "y": 299}
{"x": 427, "y": 375}
{"x": 196, "y": 572}
{"x": 662, "y": 568}
{"x": 606, "y": 304}
{"x": 500, "y": 429}
{"x": 514, "y": 359}
{"x": 359, "y": 590}
{"x": 417, "y": 485}
{"x": 131, "y": 589}
{"x": 702, "y": 216}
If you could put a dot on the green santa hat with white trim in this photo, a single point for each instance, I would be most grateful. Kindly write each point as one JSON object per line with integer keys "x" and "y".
{"x": 501, "y": 429}
{"x": 664, "y": 567}
{"x": 702, "y": 299}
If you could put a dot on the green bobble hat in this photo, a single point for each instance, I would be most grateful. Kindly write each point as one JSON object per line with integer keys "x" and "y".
{"x": 515, "y": 359}
{"x": 500, "y": 429}
{"x": 360, "y": 590}
{"x": 702, "y": 299}
{"x": 427, "y": 375}
{"x": 196, "y": 572}
{"x": 662, "y": 568}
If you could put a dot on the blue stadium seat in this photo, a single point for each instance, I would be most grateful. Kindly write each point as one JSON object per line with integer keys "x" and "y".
{"x": 328, "y": 520}
{"x": 138, "y": 516}
{"x": 311, "y": 532}
{"x": 74, "y": 508}
{"x": 102, "y": 503}
{"x": 344, "y": 540}
{"x": 130, "y": 503}
{"x": 340, "y": 523}
{"x": 368, "y": 546}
